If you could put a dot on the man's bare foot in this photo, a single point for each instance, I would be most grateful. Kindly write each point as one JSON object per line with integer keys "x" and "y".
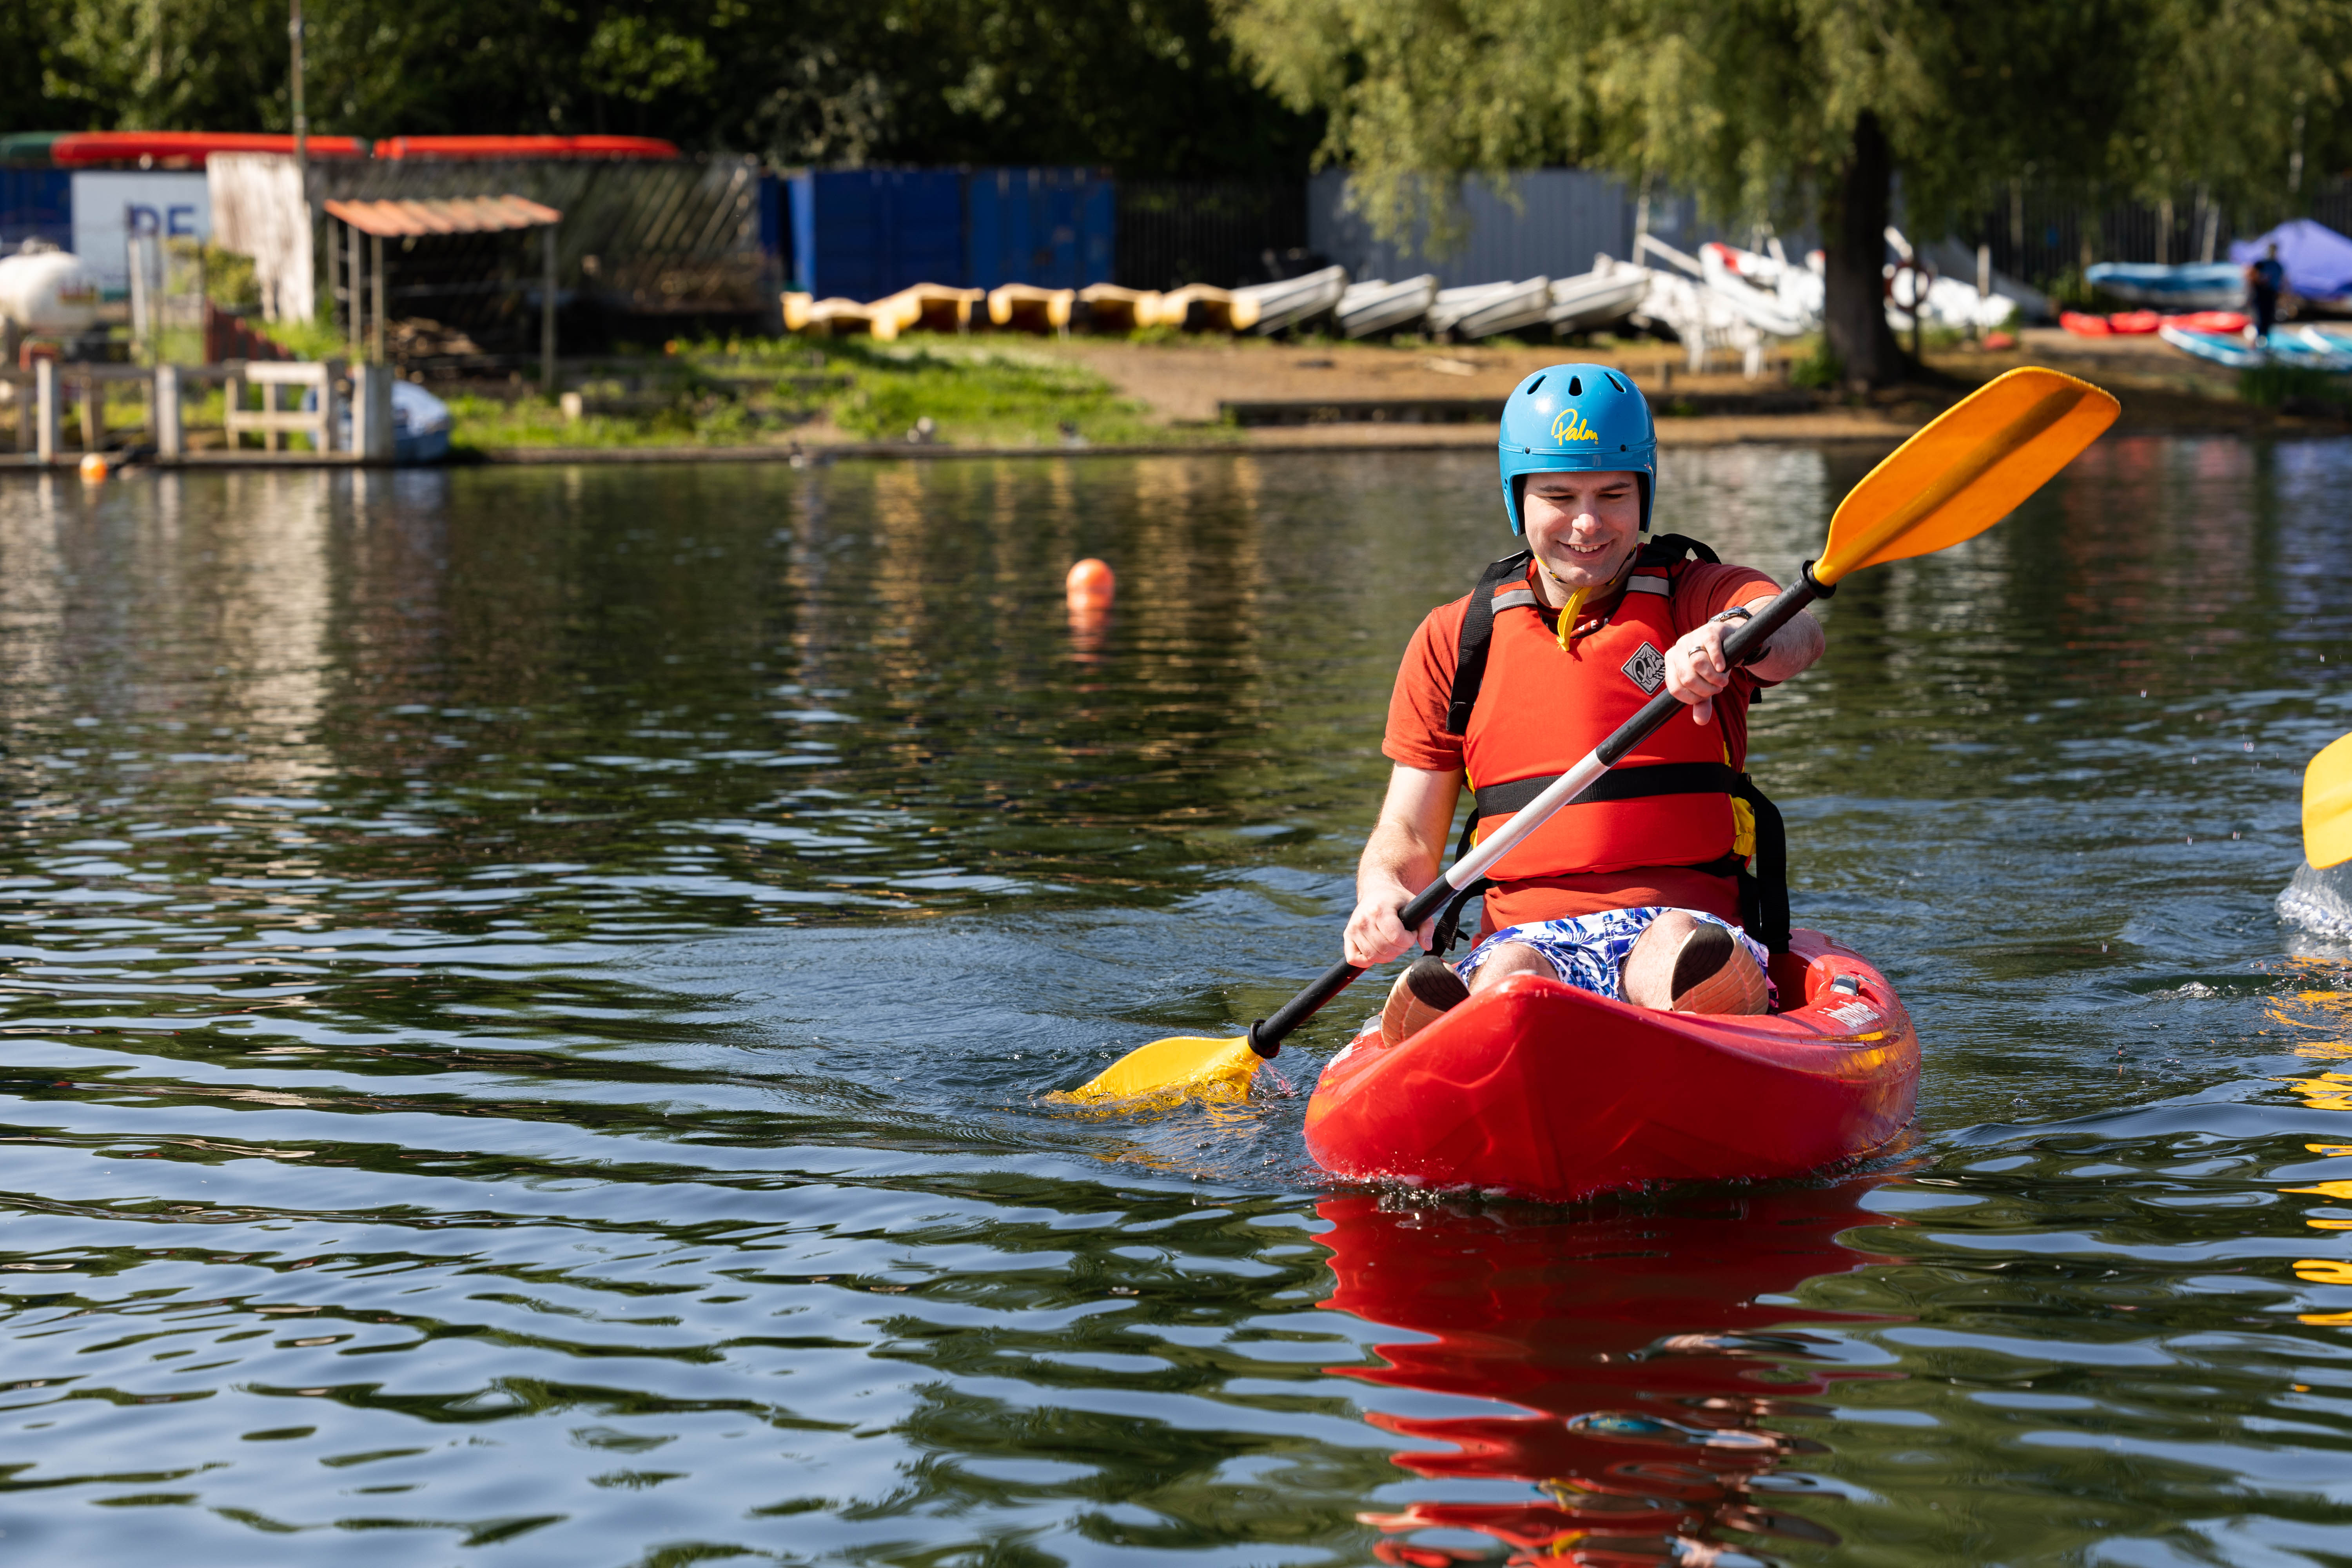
{"x": 1422, "y": 994}
{"x": 1683, "y": 964}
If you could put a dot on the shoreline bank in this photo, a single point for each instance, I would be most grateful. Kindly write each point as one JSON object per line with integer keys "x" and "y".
{"x": 1195, "y": 397}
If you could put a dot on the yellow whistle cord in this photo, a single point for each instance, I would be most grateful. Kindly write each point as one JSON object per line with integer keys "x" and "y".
{"x": 1567, "y": 614}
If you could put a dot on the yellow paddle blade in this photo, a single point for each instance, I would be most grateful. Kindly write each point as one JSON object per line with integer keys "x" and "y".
{"x": 1966, "y": 470}
{"x": 1185, "y": 1066}
{"x": 2327, "y": 807}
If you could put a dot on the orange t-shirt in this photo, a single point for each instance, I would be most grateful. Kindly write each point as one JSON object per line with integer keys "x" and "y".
{"x": 1417, "y": 737}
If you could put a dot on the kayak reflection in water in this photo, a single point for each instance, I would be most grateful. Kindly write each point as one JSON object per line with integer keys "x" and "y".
{"x": 1641, "y": 890}
{"x": 1646, "y": 1377}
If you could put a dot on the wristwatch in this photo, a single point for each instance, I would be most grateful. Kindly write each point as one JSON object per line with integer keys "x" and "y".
{"x": 1742, "y": 613}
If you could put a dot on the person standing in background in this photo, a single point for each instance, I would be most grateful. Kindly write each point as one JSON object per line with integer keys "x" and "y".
{"x": 2264, "y": 279}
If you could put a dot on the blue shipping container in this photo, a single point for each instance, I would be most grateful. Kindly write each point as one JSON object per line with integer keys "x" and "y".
{"x": 1052, "y": 227}
{"x": 860, "y": 234}
{"x": 35, "y": 204}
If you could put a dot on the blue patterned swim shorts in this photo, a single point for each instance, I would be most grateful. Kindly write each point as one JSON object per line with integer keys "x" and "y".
{"x": 1588, "y": 951}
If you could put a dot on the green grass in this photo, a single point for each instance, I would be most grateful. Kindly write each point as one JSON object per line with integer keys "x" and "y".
{"x": 981, "y": 397}
{"x": 305, "y": 339}
{"x": 2296, "y": 389}
{"x": 1818, "y": 369}
{"x": 751, "y": 391}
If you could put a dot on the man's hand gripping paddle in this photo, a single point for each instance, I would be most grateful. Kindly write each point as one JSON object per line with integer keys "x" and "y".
{"x": 1947, "y": 483}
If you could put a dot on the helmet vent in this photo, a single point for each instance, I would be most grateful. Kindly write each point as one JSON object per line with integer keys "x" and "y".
{"x": 1617, "y": 384}
{"x": 1538, "y": 382}
{"x": 1576, "y": 386}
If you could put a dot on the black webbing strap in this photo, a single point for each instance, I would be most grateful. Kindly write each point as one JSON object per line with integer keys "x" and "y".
{"x": 1478, "y": 631}
{"x": 1448, "y": 924}
{"x": 1669, "y": 548}
{"x": 1764, "y": 892}
{"x": 1617, "y": 783}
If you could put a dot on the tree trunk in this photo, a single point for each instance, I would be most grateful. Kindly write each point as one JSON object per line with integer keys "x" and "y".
{"x": 1853, "y": 233}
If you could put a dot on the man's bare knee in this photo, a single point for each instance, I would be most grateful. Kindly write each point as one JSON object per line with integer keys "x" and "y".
{"x": 1682, "y": 963}
{"x": 1511, "y": 958}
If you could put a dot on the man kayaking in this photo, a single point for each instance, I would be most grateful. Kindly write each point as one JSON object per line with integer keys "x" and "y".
{"x": 1635, "y": 891}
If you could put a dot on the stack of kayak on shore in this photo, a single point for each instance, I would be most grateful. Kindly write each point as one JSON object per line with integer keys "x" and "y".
{"x": 1723, "y": 299}
{"x": 1325, "y": 298}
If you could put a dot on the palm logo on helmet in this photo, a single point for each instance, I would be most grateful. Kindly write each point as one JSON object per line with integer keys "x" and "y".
{"x": 1583, "y": 417}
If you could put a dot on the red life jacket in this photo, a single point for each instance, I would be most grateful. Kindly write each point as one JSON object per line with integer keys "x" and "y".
{"x": 1535, "y": 711}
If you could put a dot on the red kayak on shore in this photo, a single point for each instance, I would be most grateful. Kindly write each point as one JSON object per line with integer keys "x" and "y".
{"x": 1541, "y": 1091}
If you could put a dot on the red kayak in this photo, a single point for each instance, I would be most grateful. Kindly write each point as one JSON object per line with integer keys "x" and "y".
{"x": 1539, "y": 1090}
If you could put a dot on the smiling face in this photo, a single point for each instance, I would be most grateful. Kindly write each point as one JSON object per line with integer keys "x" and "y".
{"x": 1583, "y": 528}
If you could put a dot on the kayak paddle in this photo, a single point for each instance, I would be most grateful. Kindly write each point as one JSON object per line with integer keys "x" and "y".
{"x": 1964, "y": 472}
{"x": 2327, "y": 807}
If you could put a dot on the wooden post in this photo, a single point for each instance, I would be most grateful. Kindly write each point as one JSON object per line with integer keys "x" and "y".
{"x": 233, "y": 403}
{"x": 332, "y": 437}
{"x": 170, "y": 438}
{"x": 375, "y": 248}
{"x": 1984, "y": 288}
{"x": 547, "y": 315}
{"x": 356, "y": 304}
{"x": 45, "y": 398}
{"x": 93, "y": 411}
{"x": 334, "y": 279}
{"x": 372, "y": 413}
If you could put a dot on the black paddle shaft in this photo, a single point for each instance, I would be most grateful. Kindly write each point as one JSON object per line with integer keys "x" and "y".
{"x": 1745, "y": 641}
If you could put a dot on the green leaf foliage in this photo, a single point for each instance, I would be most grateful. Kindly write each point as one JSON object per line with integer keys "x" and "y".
{"x": 1751, "y": 104}
{"x": 1149, "y": 90}
{"x": 1775, "y": 109}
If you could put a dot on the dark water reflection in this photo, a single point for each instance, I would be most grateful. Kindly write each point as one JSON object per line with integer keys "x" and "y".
{"x": 528, "y": 992}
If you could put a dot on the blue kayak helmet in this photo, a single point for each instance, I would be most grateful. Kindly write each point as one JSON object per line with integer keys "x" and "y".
{"x": 1577, "y": 416}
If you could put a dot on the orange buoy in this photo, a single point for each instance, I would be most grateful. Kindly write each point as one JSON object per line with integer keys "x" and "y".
{"x": 93, "y": 468}
{"x": 1091, "y": 585}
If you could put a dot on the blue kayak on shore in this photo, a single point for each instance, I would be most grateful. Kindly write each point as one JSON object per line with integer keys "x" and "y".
{"x": 2307, "y": 347}
{"x": 2199, "y": 286}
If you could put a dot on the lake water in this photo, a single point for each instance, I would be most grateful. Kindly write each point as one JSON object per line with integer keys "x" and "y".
{"x": 527, "y": 996}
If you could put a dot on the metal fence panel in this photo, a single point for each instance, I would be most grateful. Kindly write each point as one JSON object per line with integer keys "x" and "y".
{"x": 1224, "y": 231}
{"x": 1562, "y": 219}
{"x": 1052, "y": 227}
{"x": 679, "y": 239}
{"x": 2048, "y": 237}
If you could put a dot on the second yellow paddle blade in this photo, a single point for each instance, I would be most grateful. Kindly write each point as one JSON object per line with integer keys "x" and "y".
{"x": 1185, "y": 1066}
{"x": 1966, "y": 470}
{"x": 2327, "y": 807}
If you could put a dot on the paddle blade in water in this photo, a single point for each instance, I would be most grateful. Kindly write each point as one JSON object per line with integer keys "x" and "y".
{"x": 1183, "y": 1067}
{"x": 1966, "y": 470}
{"x": 2327, "y": 807}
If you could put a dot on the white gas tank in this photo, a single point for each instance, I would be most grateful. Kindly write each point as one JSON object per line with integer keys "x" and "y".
{"x": 45, "y": 291}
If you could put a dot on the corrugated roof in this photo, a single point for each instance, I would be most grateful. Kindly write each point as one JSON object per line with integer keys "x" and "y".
{"x": 456, "y": 214}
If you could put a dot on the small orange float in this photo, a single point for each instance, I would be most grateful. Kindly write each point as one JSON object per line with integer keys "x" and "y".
{"x": 93, "y": 468}
{"x": 1091, "y": 585}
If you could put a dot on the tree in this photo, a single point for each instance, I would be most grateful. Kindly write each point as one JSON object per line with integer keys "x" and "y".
{"x": 1149, "y": 88}
{"x": 1786, "y": 109}
{"x": 2243, "y": 99}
